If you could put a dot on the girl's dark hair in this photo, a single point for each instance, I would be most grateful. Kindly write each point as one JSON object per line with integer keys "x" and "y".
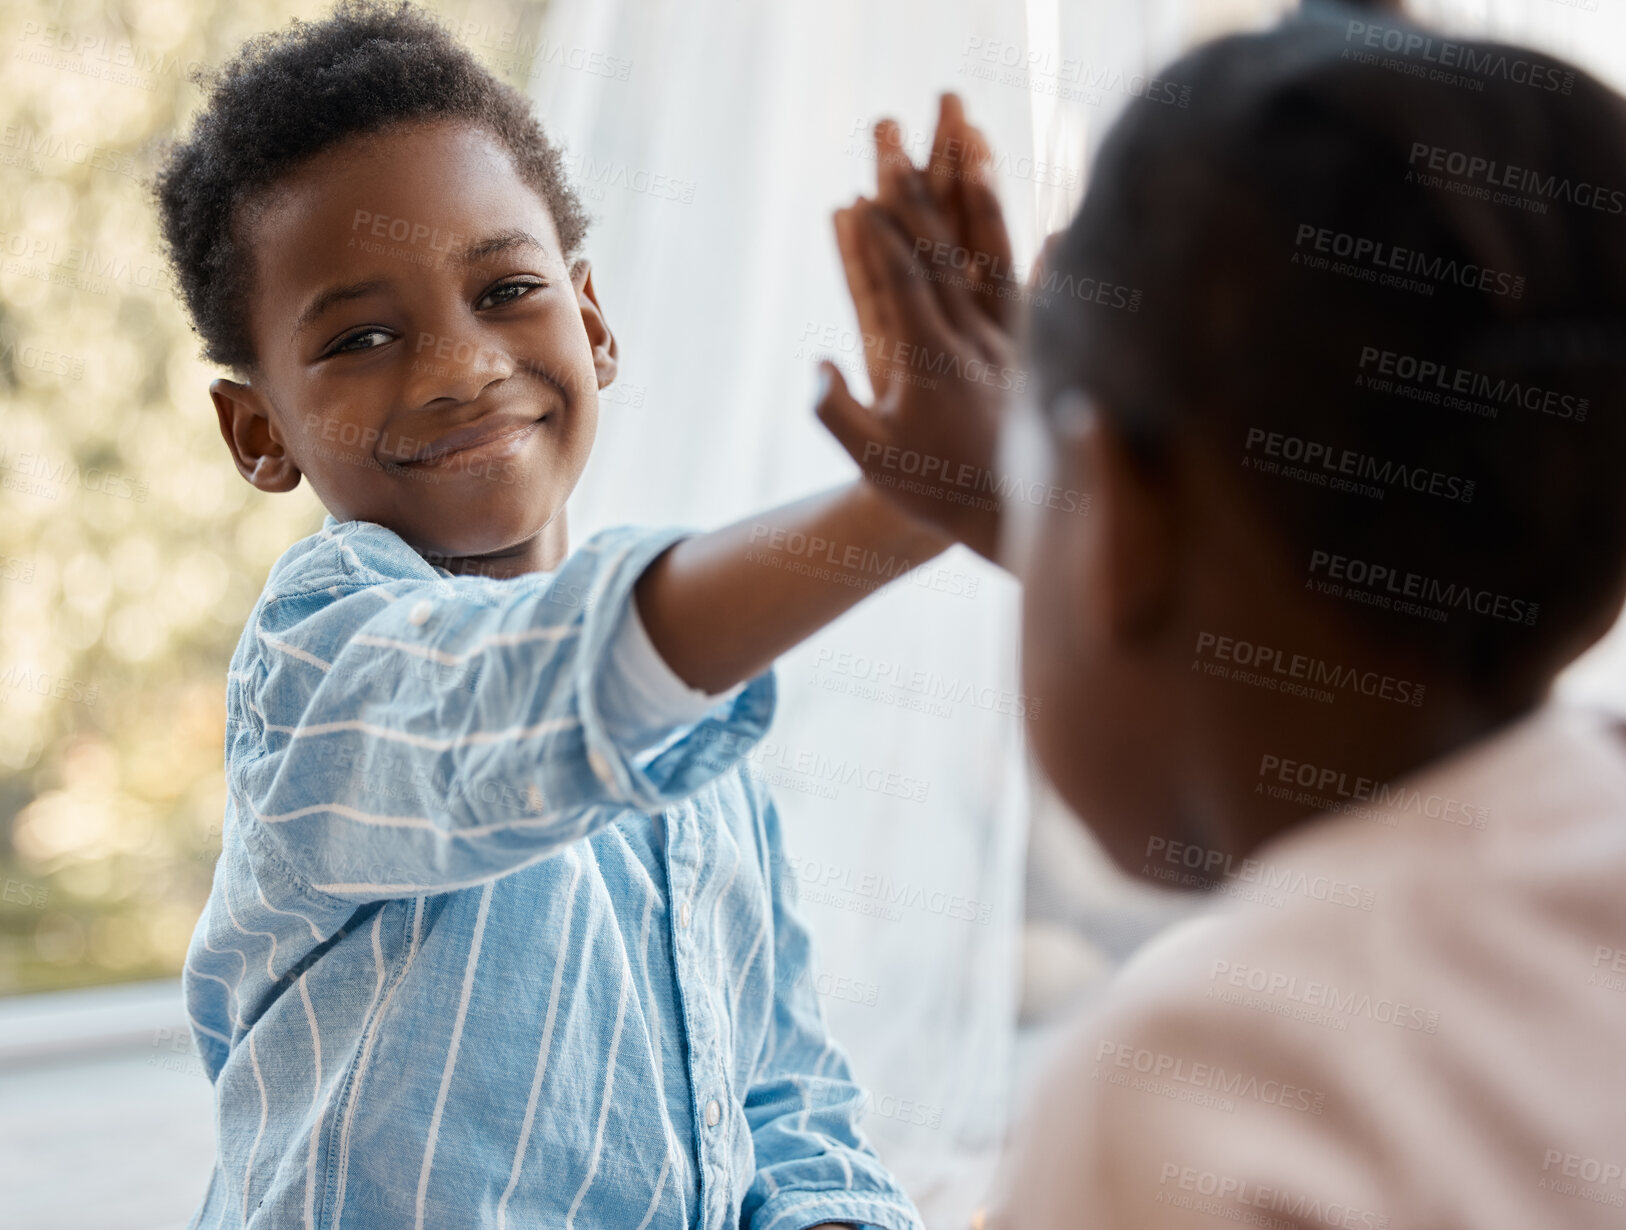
{"x": 1410, "y": 250}
{"x": 292, "y": 93}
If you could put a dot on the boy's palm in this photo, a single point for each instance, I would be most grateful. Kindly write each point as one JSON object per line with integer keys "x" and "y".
{"x": 938, "y": 341}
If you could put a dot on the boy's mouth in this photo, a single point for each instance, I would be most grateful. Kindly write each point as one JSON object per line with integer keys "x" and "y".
{"x": 496, "y": 433}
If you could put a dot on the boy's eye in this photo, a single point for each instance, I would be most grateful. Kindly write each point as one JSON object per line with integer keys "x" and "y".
{"x": 361, "y": 339}
{"x": 508, "y": 292}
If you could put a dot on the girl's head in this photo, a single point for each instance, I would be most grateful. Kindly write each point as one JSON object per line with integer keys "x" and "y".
{"x": 376, "y": 237}
{"x": 1366, "y": 426}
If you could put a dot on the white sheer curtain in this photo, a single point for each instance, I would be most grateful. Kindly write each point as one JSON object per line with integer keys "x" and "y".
{"x": 712, "y": 138}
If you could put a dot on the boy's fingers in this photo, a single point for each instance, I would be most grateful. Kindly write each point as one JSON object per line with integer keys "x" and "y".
{"x": 857, "y": 428}
{"x": 943, "y": 261}
{"x": 921, "y": 322}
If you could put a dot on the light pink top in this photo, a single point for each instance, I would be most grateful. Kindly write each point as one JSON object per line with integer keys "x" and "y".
{"x": 1412, "y": 1014}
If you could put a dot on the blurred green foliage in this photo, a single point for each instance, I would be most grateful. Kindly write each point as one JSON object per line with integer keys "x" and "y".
{"x": 130, "y": 550}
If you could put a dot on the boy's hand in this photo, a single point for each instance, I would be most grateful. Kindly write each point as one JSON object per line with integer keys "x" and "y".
{"x": 958, "y": 176}
{"x": 941, "y": 367}
{"x": 928, "y": 267}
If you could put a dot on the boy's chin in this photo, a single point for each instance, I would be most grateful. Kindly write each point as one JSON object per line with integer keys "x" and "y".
{"x": 471, "y": 536}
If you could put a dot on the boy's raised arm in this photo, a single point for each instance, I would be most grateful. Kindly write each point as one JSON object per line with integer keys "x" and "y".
{"x": 720, "y": 607}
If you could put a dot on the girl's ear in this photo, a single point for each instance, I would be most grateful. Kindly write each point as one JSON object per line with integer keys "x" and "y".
{"x": 606, "y": 357}
{"x": 255, "y": 443}
{"x": 1129, "y": 591}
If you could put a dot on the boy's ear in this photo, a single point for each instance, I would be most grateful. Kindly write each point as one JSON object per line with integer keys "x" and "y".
{"x": 606, "y": 357}
{"x": 251, "y": 435}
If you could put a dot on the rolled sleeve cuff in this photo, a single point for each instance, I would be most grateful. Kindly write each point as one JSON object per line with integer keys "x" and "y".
{"x": 793, "y": 1210}
{"x": 692, "y": 754}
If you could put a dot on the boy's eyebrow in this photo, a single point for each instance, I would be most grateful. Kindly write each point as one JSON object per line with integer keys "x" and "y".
{"x": 335, "y": 294}
{"x": 500, "y": 242}
{"x": 478, "y": 249}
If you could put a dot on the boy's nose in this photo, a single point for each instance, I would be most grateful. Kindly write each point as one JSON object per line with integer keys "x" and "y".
{"x": 455, "y": 367}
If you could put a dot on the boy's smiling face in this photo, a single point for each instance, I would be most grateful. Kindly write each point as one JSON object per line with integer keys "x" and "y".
{"x": 424, "y": 354}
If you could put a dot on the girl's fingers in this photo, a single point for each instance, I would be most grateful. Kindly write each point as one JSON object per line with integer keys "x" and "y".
{"x": 985, "y": 232}
{"x": 892, "y": 162}
{"x": 859, "y": 430}
{"x": 944, "y": 166}
{"x": 874, "y": 320}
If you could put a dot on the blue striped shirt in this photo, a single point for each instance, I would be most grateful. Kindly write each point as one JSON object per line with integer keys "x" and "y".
{"x": 469, "y": 959}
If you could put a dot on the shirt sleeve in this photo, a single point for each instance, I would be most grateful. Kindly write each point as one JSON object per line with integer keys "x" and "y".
{"x": 408, "y": 735}
{"x": 803, "y": 1107}
{"x": 641, "y": 699}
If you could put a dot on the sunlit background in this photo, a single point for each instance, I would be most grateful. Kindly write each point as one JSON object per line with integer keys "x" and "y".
{"x": 131, "y": 552}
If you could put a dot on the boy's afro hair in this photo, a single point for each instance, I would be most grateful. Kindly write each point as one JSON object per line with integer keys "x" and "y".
{"x": 290, "y": 94}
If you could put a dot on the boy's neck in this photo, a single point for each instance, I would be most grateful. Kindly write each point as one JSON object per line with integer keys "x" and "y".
{"x": 543, "y": 551}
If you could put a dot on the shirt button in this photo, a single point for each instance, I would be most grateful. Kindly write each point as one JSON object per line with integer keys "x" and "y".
{"x": 714, "y": 1112}
{"x": 419, "y": 615}
{"x": 683, "y": 921}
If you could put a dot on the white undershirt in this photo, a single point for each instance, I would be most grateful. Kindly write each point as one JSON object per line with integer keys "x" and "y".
{"x": 641, "y": 699}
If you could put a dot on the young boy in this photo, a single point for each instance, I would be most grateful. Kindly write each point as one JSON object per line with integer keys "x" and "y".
{"x": 498, "y": 935}
{"x": 1355, "y": 499}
